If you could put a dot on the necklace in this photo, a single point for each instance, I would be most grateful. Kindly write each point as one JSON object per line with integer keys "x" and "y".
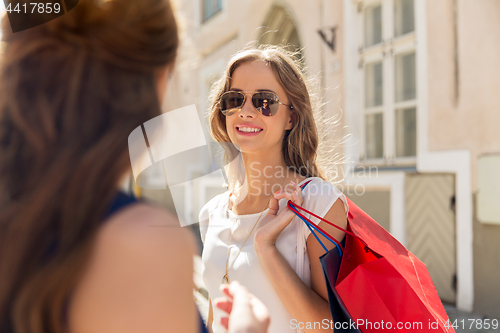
{"x": 225, "y": 278}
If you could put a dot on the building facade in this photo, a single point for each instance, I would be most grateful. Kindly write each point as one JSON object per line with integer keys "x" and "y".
{"x": 414, "y": 83}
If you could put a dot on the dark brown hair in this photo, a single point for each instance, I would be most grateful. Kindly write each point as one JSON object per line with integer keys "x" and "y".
{"x": 71, "y": 91}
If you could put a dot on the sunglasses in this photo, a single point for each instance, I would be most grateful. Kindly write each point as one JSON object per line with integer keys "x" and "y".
{"x": 265, "y": 102}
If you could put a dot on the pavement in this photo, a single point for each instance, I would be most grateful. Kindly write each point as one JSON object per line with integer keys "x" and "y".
{"x": 465, "y": 322}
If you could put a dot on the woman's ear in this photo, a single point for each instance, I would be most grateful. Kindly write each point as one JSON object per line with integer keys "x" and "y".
{"x": 291, "y": 120}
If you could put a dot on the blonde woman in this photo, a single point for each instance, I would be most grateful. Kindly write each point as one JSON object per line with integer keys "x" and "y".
{"x": 248, "y": 232}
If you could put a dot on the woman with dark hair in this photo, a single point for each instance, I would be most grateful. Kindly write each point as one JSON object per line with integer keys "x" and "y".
{"x": 76, "y": 254}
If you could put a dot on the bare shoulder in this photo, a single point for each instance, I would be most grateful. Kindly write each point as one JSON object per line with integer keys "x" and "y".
{"x": 144, "y": 223}
{"x": 336, "y": 215}
{"x": 143, "y": 234}
{"x": 145, "y": 230}
{"x": 141, "y": 266}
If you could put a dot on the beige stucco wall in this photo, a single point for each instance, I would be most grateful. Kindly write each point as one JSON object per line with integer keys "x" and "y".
{"x": 332, "y": 76}
{"x": 486, "y": 268}
{"x": 380, "y": 211}
{"x": 472, "y": 121}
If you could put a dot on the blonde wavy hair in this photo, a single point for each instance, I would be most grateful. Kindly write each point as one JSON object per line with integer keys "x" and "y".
{"x": 301, "y": 144}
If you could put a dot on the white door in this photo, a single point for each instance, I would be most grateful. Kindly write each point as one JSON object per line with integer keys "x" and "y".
{"x": 430, "y": 218}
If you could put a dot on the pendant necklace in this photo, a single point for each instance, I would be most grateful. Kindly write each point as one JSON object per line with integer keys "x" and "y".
{"x": 225, "y": 277}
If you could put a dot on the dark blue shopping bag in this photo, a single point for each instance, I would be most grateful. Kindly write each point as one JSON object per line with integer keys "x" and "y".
{"x": 330, "y": 261}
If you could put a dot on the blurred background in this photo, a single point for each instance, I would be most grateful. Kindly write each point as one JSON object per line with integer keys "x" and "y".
{"x": 415, "y": 87}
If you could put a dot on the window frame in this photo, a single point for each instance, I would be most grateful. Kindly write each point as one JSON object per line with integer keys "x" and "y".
{"x": 386, "y": 51}
{"x": 208, "y": 18}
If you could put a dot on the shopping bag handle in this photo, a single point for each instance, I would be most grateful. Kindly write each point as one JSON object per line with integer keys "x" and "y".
{"x": 321, "y": 231}
{"x": 311, "y": 225}
{"x": 293, "y": 207}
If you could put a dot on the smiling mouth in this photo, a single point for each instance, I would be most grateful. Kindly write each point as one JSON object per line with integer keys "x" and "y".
{"x": 249, "y": 129}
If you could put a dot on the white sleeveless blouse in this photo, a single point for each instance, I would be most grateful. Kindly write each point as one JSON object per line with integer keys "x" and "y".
{"x": 216, "y": 222}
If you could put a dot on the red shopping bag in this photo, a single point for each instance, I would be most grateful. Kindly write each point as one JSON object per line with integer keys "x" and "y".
{"x": 375, "y": 282}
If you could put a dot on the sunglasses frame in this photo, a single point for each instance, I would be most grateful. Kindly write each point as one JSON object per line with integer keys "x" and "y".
{"x": 245, "y": 94}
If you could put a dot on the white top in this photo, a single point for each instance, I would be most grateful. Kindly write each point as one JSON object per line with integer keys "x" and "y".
{"x": 216, "y": 221}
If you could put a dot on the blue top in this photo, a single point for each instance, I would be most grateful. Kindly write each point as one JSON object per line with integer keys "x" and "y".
{"x": 120, "y": 201}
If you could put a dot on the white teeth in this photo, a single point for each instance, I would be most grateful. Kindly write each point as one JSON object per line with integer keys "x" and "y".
{"x": 249, "y": 129}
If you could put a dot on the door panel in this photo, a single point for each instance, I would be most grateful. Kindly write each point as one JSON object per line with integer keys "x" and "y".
{"x": 430, "y": 227}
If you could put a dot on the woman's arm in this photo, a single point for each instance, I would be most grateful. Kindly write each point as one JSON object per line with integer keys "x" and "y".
{"x": 303, "y": 303}
{"x": 336, "y": 215}
{"x": 139, "y": 277}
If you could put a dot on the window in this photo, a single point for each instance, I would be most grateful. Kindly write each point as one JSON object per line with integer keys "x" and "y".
{"x": 374, "y": 138}
{"x": 210, "y": 8}
{"x": 374, "y": 89}
{"x": 279, "y": 28}
{"x": 388, "y": 69}
{"x": 404, "y": 78}
{"x": 406, "y": 135}
{"x": 373, "y": 25}
{"x": 404, "y": 18}
{"x": 374, "y": 85}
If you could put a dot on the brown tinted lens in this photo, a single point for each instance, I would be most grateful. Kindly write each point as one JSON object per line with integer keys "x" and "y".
{"x": 266, "y": 103}
{"x": 231, "y": 102}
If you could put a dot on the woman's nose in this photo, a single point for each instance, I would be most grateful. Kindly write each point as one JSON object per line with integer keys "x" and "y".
{"x": 247, "y": 109}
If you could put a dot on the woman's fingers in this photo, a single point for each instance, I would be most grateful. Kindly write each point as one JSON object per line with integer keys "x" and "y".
{"x": 259, "y": 309}
{"x": 273, "y": 223}
{"x": 291, "y": 192}
{"x": 224, "y": 321}
{"x": 248, "y": 312}
{"x": 224, "y": 288}
{"x": 224, "y": 304}
{"x": 273, "y": 206}
{"x": 239, "y": 292}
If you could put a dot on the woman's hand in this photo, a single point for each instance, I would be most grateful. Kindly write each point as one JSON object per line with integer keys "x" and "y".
{"x": 247, "y": 314}
{"x": 272, "y": 224}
